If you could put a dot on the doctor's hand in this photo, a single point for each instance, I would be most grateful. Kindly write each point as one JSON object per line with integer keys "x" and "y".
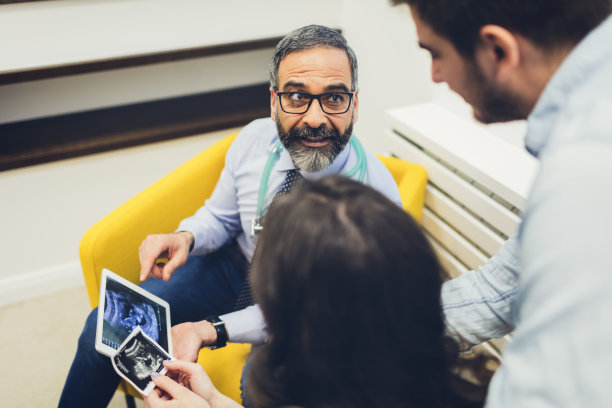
{"x": 188, "y": 338}
{"x": 174, "y": 246}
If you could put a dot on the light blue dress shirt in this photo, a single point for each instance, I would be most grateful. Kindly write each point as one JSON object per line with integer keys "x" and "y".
{"x": 228, "y": 213}
{"x": 553, "y": 281}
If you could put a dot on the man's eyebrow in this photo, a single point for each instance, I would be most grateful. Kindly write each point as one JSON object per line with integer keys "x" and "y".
{"x": 329, "y": 88}
{"x": 337, "y": 87}
{"x": 294, "y": 84}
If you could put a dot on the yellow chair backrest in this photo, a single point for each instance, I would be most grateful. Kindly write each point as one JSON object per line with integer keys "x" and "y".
{"x": 113, "y": 242}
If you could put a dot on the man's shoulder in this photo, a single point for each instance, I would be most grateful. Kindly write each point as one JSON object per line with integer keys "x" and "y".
{"x": 254, "y": 138}
{"x": 381, "y": 178}
{"x": 259, "y": 130}
{"x": 585, "y": 117}
{"x": 375, "y": 166}
{"x": 588, "y": 107}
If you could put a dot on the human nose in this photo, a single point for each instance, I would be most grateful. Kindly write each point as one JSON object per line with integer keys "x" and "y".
{"x": 314, "y": 116}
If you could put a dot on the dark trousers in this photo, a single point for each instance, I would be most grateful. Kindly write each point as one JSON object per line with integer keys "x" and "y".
{"x": 206, "y": 285}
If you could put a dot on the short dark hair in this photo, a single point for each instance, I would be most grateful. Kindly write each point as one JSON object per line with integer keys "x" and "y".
{"x": 309, "y": 37}
{"x": 549, "y": 24}
{"x": 350, "y": 289}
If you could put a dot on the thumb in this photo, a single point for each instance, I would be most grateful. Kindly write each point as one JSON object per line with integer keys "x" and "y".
{"x": 168, "y": 385}
{"x": 172, "y": 265}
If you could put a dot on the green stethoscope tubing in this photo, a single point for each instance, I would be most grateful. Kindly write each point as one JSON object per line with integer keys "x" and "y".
{"x": 360, "y": 167}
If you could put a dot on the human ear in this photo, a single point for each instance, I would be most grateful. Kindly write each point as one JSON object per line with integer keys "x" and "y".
{"x": 355, "y": 106}
{"x": 272, "y": 104}
{"x": 499, "y": 50}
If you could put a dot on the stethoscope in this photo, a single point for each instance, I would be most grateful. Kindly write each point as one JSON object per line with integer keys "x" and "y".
{"x": 361, "y": 167}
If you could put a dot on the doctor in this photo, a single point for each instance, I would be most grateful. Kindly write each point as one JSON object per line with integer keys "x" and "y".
{"x": 550, "y": 62}
{"x": 314, "y": 104}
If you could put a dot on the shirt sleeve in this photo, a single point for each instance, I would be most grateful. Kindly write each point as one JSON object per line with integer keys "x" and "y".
{"x": 246, "y": 326}
{"x": 478, "y": 304}
{"x": 219, "y": 219}
{"x": 379, "y": 178}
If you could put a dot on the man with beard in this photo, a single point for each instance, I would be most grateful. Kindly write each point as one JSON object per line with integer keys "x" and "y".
{"x": 313, "y": 101}
{"x": 550, "y": 62}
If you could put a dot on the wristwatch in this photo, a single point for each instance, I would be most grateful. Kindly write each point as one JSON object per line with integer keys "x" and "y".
{"x": 219, "y": 326}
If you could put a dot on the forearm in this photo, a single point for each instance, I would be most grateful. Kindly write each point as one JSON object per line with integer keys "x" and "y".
{"x": 477, "y": 305}
{"x": 219, "y": 400}
{"x": 243, "y": 326}
{"x": 218, "y": 219}
{"x": 209, "y": 233}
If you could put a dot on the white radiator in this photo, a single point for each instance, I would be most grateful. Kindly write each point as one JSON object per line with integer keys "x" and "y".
{"x": 477, "y": 183}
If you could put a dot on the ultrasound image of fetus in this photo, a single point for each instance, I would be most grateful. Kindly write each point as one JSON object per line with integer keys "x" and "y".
{"x": 124, "y": 315}
{"x": 145, "y": 360}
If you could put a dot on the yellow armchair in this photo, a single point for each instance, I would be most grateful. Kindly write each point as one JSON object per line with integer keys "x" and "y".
{"x": 113, "y": 242}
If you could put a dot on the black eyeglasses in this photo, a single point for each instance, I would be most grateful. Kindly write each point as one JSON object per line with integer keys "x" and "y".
{"x": 332, "y": 103}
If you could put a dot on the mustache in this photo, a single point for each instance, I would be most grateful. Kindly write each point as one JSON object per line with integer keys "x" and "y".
{"x": 313, "y": 134}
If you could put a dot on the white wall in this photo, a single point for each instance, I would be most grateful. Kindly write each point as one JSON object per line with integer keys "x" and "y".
{"x": 47, "y": 208}
{"x": 393, "y": 71}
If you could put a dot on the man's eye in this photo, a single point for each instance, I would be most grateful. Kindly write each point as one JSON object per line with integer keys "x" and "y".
{"x": 335, "y": 98}
{"x": 298, "y": 96}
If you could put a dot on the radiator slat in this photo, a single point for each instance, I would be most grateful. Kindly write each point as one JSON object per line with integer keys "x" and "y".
{"x": 461, "y": 220}
{"x": 467, "y": 253}
{"x": 451, "y": 265}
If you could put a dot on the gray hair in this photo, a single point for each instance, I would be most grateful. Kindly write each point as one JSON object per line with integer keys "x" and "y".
{"x": 306, "y": 38}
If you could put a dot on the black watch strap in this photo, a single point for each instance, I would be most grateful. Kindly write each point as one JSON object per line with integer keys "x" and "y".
{"x": 219, "y": 326}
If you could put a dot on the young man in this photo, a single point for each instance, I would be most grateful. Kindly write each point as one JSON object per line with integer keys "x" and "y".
{"x": 551, "y": 63}
{"x": 313, "y": 100}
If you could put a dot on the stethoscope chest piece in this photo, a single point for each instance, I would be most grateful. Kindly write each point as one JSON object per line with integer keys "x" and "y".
{"x": 256, "y": 226}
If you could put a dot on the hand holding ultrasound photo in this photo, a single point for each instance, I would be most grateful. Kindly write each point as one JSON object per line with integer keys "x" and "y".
{"x": 137, "y": 358}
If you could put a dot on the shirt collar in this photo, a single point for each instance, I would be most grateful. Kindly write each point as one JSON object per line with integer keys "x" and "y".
{"x": 574, "y": 70}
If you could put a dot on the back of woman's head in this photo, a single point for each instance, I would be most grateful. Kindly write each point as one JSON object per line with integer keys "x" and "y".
{"x": 350, "y": 289}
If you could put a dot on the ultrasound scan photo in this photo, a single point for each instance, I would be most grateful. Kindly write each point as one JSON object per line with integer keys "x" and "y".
{"x": 137, "y": 358}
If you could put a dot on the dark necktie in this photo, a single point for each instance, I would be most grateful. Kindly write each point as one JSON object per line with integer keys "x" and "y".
{"x": 292, "y": 178}
{"x": 245, "y": 298}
